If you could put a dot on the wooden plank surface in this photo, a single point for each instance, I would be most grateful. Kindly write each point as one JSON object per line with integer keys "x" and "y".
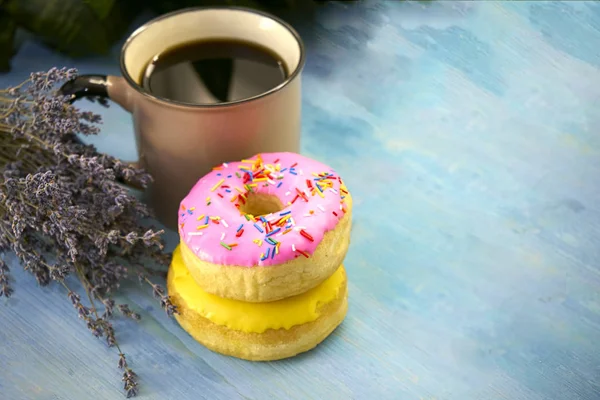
{"x": 469, "y": 135}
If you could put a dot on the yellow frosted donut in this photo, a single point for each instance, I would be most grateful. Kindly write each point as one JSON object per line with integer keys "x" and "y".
{"x": 257, "y": 331}
{"x": 266, "y": 228}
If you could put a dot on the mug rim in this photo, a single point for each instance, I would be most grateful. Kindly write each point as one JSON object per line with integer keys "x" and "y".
{"x": 273, "y": 90}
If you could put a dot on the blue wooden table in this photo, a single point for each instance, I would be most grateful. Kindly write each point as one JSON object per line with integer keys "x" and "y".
{"x": 469, "y": 135}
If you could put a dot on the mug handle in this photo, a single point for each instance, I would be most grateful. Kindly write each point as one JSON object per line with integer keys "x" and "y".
{"x": 101, "y": 88}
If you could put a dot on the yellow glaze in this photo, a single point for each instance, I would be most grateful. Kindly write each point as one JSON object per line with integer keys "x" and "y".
{"x": 254, "y": 317}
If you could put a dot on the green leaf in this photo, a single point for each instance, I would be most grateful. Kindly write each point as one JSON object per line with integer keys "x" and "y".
{"x": 77, "y": 27}
{"x": 102, "y": 8}
{"x": 162, "y": 6}
{"x": 120, "y": 16}
{"x": 8, "y": 28}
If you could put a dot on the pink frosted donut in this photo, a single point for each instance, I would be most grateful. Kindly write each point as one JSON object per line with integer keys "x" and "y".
{"x": 265, "y": 228}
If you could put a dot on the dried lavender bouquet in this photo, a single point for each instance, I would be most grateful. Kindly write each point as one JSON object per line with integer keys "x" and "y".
{"x": 64, "y": 213}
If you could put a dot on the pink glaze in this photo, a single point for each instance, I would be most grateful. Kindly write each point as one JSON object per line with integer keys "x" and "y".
{"x": 311, "y": 215}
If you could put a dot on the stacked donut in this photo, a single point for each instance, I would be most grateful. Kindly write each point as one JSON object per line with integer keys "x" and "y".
{"x": 258, "y": 272}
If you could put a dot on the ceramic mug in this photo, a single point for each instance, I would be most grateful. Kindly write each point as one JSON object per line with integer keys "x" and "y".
{"x": 177, "y": 143}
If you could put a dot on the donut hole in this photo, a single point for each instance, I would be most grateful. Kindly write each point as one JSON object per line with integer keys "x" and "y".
{"x": 258, "y": 204}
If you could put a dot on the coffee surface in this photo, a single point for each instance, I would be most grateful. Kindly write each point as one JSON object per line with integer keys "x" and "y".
{"x": 213, "y": 71}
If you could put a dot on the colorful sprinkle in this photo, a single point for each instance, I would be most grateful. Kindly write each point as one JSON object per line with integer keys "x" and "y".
{"x": 306, "y": 235}
{"x": 228, "y": 247}
{"x": 273, "y": 232}
{"x": 259, "y": 228}
{"x": 217, "y": 185}
{"x": 301, "y": 194}
{"x": 305, "y": 254}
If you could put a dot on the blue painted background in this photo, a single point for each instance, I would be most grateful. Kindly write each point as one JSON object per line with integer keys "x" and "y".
{"x": 469, "y": 135}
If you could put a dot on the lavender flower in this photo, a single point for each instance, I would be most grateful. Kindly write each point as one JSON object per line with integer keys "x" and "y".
{"x": 63, "y": 211}
{"x": 5, "y": 289}
{"x": 124, "y": 309}
{"x": 165, "y": 301}
{"x": 122, "y": 361}
{"x": 129, "y": 377}
{"x": 130, "y": 384}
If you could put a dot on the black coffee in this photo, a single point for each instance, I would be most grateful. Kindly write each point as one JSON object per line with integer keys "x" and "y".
{"x": 213, "y": 71}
